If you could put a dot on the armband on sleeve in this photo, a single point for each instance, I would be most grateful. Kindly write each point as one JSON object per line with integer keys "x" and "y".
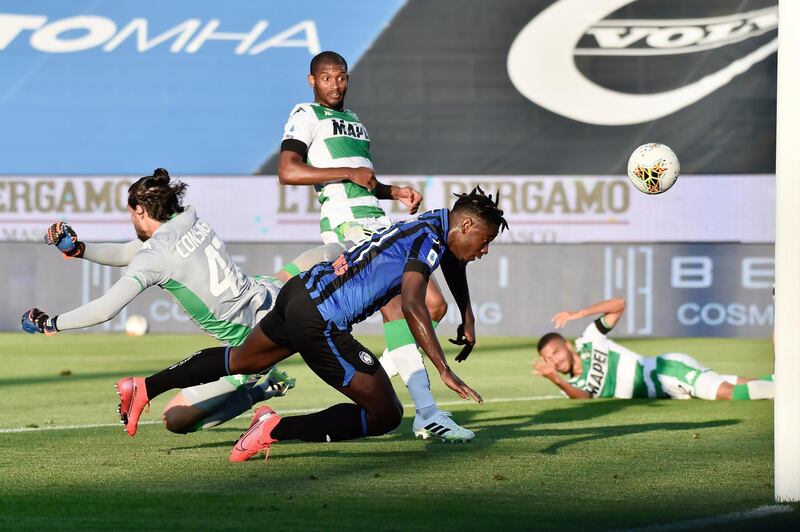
{"x": 601, "y": 325}
{"x": 296, "y": 146}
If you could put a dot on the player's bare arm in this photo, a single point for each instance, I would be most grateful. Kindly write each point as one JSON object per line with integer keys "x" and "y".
{"x": 412, "y": 296}
{"x": 546, "y": 369}
{"x": 293, "y": 171}
{"x": 610, "y": 309}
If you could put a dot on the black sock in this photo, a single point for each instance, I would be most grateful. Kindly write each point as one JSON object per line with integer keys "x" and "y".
{"x": 257, "y": 393}
{"x": 337, "y": 423}
{"x": 204, "y": 366}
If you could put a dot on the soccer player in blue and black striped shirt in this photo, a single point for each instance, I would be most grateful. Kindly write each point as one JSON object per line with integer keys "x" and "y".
{"x": 315, "y": 311}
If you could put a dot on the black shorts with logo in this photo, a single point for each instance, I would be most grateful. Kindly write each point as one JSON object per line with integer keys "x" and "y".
{"x": 333, "y": 354}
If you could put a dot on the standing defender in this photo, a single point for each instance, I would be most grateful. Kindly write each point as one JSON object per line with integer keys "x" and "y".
{"x": 327, "y": 146}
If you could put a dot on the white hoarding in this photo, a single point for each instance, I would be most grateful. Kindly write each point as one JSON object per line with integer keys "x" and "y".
{"x": 539, "y": 209}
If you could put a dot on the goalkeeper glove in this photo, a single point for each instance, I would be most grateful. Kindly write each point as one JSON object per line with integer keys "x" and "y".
{"x": 65, "y": 239}
{"x": 35, "y": 320}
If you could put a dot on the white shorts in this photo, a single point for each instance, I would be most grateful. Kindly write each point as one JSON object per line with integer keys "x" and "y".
{"x": 682, "y": 377}
{"x": 356, "y": 231}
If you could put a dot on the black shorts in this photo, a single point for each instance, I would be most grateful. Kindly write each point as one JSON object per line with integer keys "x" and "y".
{"x": 333, "y": 354}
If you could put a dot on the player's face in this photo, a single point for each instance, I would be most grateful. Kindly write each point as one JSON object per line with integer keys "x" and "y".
{"x": 329, "y": 83}
{"x": 557, "y": 353}
{"x": 471, "y": 239}
{"x": 137, "y": 221}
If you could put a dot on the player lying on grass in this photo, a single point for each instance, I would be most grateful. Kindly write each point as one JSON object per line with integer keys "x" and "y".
{"x": 314, "y": 315}
{"x": 182, "y": 255}
{"x": 326, "y": 145}
{"x": 599, "y": 367}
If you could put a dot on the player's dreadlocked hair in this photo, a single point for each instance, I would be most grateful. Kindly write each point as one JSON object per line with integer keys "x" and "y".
{"x": 160, "y": 198}
{"x": 326, "y": 57}
{"x": 546, "y": 339}
{"x": 482, "y": 206}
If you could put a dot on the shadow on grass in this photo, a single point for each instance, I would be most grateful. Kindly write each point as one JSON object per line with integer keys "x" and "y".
{"x": 580, "y": 435}
{"x": 233, "y": 435}
{"x": 488, "y": 437}
{"x": 590, "y": 409}
{"x": 491, "y": 430}
{"x": 111, "y": 376}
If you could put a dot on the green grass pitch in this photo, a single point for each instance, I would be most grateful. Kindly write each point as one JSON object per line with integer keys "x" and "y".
{"x": 538, "y": 462}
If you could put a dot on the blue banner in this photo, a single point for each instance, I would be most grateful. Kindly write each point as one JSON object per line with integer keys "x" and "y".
{"x": 202, "y": 87}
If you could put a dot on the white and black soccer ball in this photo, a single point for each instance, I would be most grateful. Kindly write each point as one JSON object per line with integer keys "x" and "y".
{"x": 653, "y": 168}
{"x": 136, "y": 325}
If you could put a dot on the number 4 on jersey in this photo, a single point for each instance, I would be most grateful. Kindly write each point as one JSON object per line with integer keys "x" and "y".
{"x": 215, "y": 264}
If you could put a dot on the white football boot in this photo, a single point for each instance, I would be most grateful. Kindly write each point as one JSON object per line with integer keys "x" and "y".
{"x": 441, "y": 426}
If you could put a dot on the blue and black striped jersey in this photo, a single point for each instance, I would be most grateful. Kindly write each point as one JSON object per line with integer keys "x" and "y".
{"x": 363, "y": 279}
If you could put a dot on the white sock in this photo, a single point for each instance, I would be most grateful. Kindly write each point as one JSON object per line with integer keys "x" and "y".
{"x": 388, "y": 365}
{"x": 761, "y": 389}
{"x": 411, "y": 369}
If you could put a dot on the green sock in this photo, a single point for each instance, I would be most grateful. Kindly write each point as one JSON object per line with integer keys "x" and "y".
{"x": 291, "y": 269}
{"x": 766, "y": 378}
{"x": 398, "y": 333}
{"x": 741, "y": 392}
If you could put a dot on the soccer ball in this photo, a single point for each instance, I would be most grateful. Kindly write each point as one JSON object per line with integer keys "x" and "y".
{"x": 653, "y": 168}
{"x": 136, "y": 325}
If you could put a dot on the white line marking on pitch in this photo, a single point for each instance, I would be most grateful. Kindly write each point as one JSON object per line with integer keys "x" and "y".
{"x": 761, "y": 511}
{"x": 248, "y": 414}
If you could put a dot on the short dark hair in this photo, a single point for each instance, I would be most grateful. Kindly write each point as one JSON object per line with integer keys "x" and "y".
{"x": 157, "y": 196}
{"x": 481, "y": 206}
{"x": 326, "y": 57}
{"x": 546, "y": 339}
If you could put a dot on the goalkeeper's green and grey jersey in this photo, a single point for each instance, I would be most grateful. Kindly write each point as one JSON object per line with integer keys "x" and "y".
{"x": 609, "y": 370}
{"x": 335, "y": 139}
{"x": 186, "y": 258}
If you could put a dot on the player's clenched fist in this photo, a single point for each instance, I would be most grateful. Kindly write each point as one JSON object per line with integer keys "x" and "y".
{"x": 65, "y": 239}
{"x": 34, "y": 320}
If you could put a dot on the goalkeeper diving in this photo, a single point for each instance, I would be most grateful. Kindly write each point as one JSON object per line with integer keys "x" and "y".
{"x": 181, "y": 254}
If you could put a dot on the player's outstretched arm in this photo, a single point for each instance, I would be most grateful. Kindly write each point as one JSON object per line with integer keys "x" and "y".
{"x": 412, "y": 301}
{"x": 455, "y": 275}
{"x": 547, "y": 370}
{"x": 98, "y": 311}
{"x": 112, "y": 254}
{"x": 64, "y": 237}
{"x": 293, "y": 171}
{"x": 610, "y": 309}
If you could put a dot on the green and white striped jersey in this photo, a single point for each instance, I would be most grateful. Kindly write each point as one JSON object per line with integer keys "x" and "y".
{"x": 187, "y": 259}
{"x": 609, "y": 370}
{"x": 335, "y": 139}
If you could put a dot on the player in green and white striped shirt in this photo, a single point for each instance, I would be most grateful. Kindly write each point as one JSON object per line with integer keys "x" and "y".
{"x": 600, "y": 367}
{"x": 326, "y": 145}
